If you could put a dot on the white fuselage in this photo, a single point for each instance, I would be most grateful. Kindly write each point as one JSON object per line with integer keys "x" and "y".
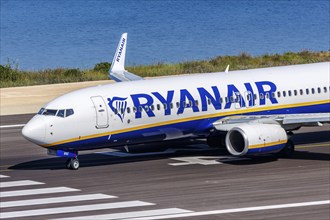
{"x": 177, "y": 107}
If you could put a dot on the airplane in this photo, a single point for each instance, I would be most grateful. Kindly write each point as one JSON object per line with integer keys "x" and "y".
{"x": 249, "y": 112}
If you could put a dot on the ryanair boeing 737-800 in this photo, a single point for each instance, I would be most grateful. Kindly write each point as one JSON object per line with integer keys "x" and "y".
{"x": 250, "y": 112}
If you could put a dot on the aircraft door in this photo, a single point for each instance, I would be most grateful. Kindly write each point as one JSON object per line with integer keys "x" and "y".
{"x": 102, "y": 120}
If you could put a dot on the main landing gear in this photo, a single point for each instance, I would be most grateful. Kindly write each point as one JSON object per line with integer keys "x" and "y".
{"x": 72, "y": 163}
{"x": 288, "y": 150}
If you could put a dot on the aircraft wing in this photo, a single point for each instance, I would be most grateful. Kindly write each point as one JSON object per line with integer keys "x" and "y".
{"x": 285, "y": 120}
{"x": 117, "y": 71}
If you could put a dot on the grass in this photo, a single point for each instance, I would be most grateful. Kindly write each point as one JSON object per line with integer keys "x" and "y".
{"x": 10, "y": 76}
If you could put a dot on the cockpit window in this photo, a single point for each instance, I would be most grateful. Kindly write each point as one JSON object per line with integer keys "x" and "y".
{"x": 69, "y": 112}
{"x": 61, "y": 113}
{"x": 50, "y": 112}
{"x": 41, "y": 111}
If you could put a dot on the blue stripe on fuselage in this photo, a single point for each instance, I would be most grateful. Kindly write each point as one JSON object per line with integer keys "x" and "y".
{"x": 194, "y": 128}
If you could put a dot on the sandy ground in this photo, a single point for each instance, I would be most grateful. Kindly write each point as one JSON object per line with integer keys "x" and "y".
{"x": 29, "y": 99}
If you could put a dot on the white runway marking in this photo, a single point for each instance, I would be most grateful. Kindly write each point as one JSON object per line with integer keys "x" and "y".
{"x": 205, "y": 160}
{"x": 3, "y": 176}
{"x": 73, "y": 209}
{"x": 36, "y": 191}
{"x": 125, "y": 215}
{"x": 53, "y": 200}
{"x": 226, "y": 211}
{"x": 19, "y": 183}
{"x": 124, "y": 154}
{"x": 12, "y": 126}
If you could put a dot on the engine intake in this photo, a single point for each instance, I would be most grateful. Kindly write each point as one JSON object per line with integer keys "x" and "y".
{"x": 254, "y": 139}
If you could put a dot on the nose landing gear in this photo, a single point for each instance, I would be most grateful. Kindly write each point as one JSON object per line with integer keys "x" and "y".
{"x": 72, "y": 163}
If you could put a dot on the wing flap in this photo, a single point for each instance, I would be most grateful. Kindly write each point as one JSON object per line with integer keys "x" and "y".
{"x": 307, "y": 118}
{"x": 317, "y": 119}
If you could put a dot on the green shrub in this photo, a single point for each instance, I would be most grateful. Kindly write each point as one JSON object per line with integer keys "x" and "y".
{"x": 8, "y": 74}
{"x": 75, "y": 73}
{"x": 103, "y": 67}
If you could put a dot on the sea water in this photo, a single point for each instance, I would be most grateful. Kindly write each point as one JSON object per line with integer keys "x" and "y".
{"x": 39, "y": 34}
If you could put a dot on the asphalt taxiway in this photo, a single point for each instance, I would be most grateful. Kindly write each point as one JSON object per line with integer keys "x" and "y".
{"x": 187, "y": 181}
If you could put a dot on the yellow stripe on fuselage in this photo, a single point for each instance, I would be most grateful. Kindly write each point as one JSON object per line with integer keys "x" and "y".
{"x": 268, "y": 144}
{"x": 236, "y": 112}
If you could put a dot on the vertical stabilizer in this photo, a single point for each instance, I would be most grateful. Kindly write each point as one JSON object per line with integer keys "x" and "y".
{"x": 117, "y": 71}
{"x": 118, "y": 62}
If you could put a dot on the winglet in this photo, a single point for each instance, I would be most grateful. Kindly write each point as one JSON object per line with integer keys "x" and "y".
{"x": 117, "y": 71}
{"x": 227, "y": 69}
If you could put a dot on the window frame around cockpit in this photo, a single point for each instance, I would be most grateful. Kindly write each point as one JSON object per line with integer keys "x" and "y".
{"x": 67, "y": 112}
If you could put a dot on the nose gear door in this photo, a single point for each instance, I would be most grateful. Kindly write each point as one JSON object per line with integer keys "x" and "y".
{"x": 102, "y": 118}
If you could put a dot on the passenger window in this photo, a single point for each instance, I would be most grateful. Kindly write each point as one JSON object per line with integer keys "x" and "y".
{"x": 289, "y": 93}
{"x": 261, "y": 96}
{"x": 146, "y": 108}
{"x": 295, "y": 92}
{"x": 325, "y": 89}
{"x": 209, "y": 101}
{"x": 171, "y": 104}
{"x": 267, "y": 95}
{"x": 165, "y": 106}
{"x": 273, "y": 94}
{"x": 232, "y": 99}
{"x": 177, "y": 104}
{"x": 301, "y": 92}
{"x": 69, "y": 112}
{"x": 158, "y": 106}
{"x": 128, "y": 110}
{"x": 313, "y": 91}
{"x": 307, "y": 91}
{"x": 226, "y": 99}
{"x": 319, "y": 90}
{"x": 134, "y": 109}
{"x": 184, "y": 104}
{"x": 140, "y": 108}
{"x": 221, "y": 100}
{"x": 152, "y": 107}
{"x": 284, "y": 93}
{"x": 248, "y": 97}
{"x": 279, "y": 94}
{"x": 61, "y": 113}
{"x": 255, "y": 96}
{"x": 196, "y": 102}
{"x": 190, "y": 103}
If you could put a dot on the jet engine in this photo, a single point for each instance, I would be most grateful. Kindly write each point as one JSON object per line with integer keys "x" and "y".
{"x": 254, "y": 139}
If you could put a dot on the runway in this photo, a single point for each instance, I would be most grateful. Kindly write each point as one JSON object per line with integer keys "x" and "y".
{"x": 186, "y": 181}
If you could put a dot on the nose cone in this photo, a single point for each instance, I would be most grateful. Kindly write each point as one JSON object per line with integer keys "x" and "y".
{"x": 35, "y": 130}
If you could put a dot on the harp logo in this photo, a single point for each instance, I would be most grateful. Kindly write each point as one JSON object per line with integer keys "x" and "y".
{"x": 118, "y": 106}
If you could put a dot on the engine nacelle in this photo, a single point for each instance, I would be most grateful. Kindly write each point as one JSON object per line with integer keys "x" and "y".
{"x": 254, "y": 139}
